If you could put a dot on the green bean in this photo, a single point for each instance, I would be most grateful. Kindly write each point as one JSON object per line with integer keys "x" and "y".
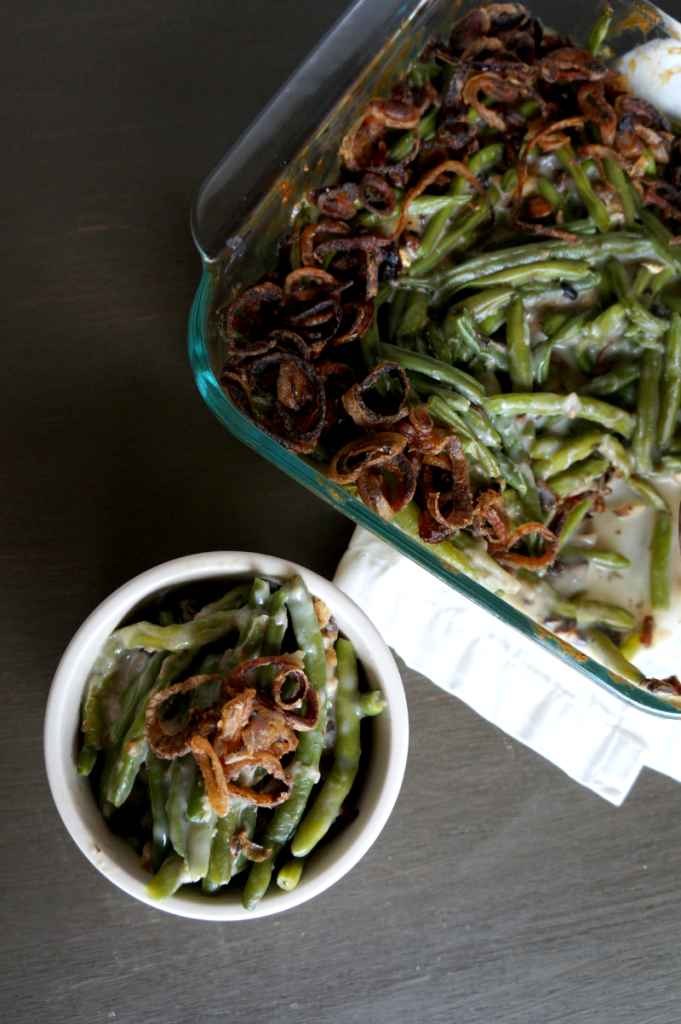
{"x": 611, "y": 319}
{"x": 661, "y": 280}
{"x": 139, "y": 685}
{"x": 290, "y": 873}
{"x": 574, "y": 520}
{"x": 135, "y": 746}
{"x": 196, "y": 805}
{"x": 548, "y": 404}
{"x": 548, "y": 191}
{"x": 518, "y": 344}
{"x": 422, "y": 206}
{"x": 198, "y": 845}
{"x": 543, "y": 270}
{"x": 491, "y": 324}
{"x": 482, "y": 161}
{"x": 405, "y": 144}
{"x": 648, "y": 492}
{"x": 588, "y": 613}
{"x": 599, "y": 31}
{"x": 482, "y": 304}
{"x": 408, "y": 519}
{"x": 93, "y": 721}
{"x": 426, "y": 386}
{"x": 220, "y": 864}
{"x": 642, "y": 279}
{"x": 478, "y": 422}
{"x": 414, "y": 317}
{"x": 662, "y": 239}
{"x": 580, "y": 477}
{"x": 158, "y": 794}
{"x": 235, "y": 598}
{"x": 468, "y": 331}
{"x": 487, "y": 572}
{"x": 636, "y": 311}
{"x": 172, "y": 874}
{"x": 460, "y": 381}
{"x": 660, "y": 561}
{"x": 620, "y": 243}
{"x": 672, "y": 302}
{"x": 338, "y": 783}
{"x": 184, "y": 772}
{"x": 304, "y": 767}
{"x": 566, "y": 329}
{"x": 513, "y": 446}
{"x": 600, "y": 557}
{"x": 470, "y": 443}
{"x": 647, "y": 408}
{"x": 464, "y": 226}
{"x": 543, "y": 447}
{"x": 554, "y": 321}
{"x": 617, "y": 177}
{"x": 608, "y": 383}
{"x": 670, "y": 400}
{"x": 182, "y": 637}
{"x": 595, "y": 206}
{"x": 572, "y": 450}
{"x": 396, "y": 310}
{"x": 613, "y": 658}
{"x": 87, "y": 759}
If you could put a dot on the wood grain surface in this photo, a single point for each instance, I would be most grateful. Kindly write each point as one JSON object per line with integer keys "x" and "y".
{"x": 500, "y": 891}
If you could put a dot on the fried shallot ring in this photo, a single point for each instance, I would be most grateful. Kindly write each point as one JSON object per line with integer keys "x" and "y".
{"x": 304, "y": 693}
{"x": 309, "y": 234}
{"x": 501, "y": 552}
{"x": 490, "y": 518}
{"x": 446, "y": 167}
{"x": 375, "y": 492}
{"x": 213, "y": 775}
{"x": 237, "y": 677}
{"x": 300, "y": 436}
{"x": 254, "y": 298}
{"x": 549, "y": 230}
{"x": 234, "y": 718}
{"x": 240, "y": 843}
{"x": 543, "y": 139}
{"x": 295, "y": 289}
{"x": 420, "y": 432}
{"x": 461, "y": 495}
{"x": 363, "y": 313}
{"x": 370, "y": 450}
{"x": 268, "y": 730}
{"x": 355, "y": 402}
{"x": 201, "y": 722}
{"x": 373, "y": 190}
{"x": 235, "y": 764}
{"x": 336, "y": 201}
{"x": 571, "y": 64}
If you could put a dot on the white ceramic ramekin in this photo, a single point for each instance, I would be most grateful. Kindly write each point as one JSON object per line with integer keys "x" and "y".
{"x": 73, "y": 795}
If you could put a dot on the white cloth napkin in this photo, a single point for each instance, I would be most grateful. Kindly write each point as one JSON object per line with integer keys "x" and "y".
{"x": 595, "y": 738}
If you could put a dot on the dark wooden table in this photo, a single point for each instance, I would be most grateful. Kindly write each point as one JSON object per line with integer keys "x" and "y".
{"x": 500, "y": 891}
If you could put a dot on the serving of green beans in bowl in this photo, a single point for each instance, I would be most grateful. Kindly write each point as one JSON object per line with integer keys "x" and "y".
{"x": 241, "y": 738}
{"x": 475, "y": 330}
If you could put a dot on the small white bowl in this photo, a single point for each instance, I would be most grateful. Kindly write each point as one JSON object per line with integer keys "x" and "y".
{"x": 73, "y": 794}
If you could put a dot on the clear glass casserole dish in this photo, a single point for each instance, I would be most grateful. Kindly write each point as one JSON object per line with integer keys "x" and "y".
{"x": 244, "y": 210}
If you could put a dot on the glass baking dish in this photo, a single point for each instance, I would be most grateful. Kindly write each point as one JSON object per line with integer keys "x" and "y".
{"x": 244, "y": 209}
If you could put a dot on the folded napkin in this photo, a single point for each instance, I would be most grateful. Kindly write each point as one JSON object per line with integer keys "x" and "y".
{"x": 593, "y": 737}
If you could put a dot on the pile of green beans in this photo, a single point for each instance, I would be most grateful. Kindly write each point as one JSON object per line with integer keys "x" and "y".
{"x": 160, "y": 805}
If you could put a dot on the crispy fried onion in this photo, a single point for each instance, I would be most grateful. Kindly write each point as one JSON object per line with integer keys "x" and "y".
{"x": 377, "y": 196}
{"x": 501, "y": 551}
{"x": 375, "y": 489}
{"x": 372, "y": 450}
{"x": 453, "y": 509}
{"x": 490, "y": 518}
{"x": 168, "y": 743}
{"x": 213, "y": 775}
{"x": 249, "y": 306}
{"x": 356, "y": 398}
{"x": 363, "y": 147}
{"x": 570, "y": 64}
{"x": 235, "y": 764}
{"x": 314, "y": 233}
{"x": 336, "y": 201}
{"x": 362, "y": 313}
{"x": 298, "y": 397}
{"x": 486, "y": 21}
{"x": 240, "y": 843}
{"x": 669, "y": 687}
{"x": 446, "y": 167}
{"x": 306, "y": 283}
{"x": 565, "y": 507}
{"x": 421, "y": 435}
{"x": 304, "y": 697}
{"x": 664, "y": 195}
